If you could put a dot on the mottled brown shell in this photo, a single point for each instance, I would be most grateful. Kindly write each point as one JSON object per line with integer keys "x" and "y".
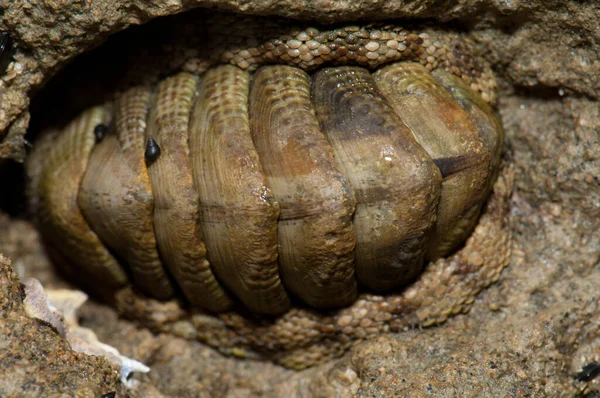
{"x": 248, "y": 180}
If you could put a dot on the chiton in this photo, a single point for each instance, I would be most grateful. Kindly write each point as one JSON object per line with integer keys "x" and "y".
{"x": 287, "y": 167}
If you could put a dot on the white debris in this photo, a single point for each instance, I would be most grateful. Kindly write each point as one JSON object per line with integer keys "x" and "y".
{"x": 59, "y": 308}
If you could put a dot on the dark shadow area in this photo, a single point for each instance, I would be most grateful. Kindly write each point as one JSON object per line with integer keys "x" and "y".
{"x": 13, "y": 201}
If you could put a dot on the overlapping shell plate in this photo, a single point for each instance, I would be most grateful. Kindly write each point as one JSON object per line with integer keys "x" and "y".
{"x": 282, "y": 169}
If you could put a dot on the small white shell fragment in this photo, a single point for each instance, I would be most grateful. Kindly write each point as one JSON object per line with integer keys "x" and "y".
{"x": 37, "y": 306}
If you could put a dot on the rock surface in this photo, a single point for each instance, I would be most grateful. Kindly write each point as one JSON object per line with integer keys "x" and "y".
{"x": 35, "y": 360}
{"x": 529, "y": 334}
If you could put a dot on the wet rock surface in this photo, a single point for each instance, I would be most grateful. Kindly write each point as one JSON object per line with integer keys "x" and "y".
{"x": 529, "y": 334}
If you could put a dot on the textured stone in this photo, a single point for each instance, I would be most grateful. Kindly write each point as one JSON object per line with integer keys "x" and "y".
{"x": 35, "y": 361}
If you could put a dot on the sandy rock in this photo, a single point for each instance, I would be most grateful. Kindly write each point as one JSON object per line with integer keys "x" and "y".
{"x": 35, "y": 361}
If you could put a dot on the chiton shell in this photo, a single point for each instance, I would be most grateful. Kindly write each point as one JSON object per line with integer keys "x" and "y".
{"x": 292, "y": 167}
{"x": 273, "y": 183}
